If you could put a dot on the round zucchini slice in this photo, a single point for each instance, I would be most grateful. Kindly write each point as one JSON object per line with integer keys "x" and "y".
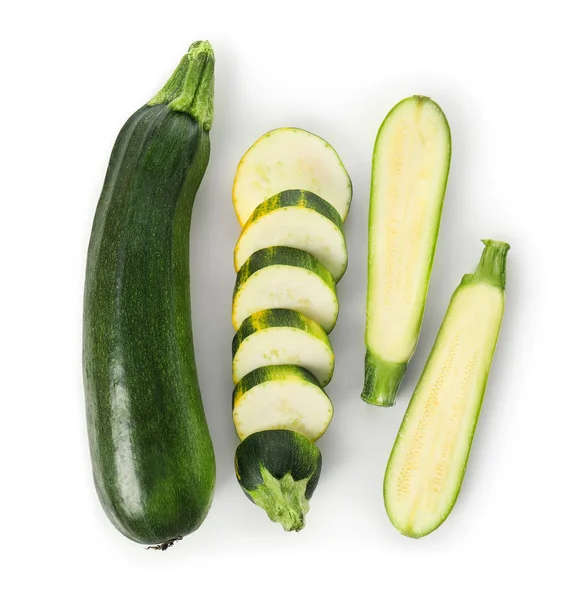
{"x": 281, "y": 277}
{"x": 281, "y": 397}
{"x": 290, "y": 158}
{"x": 297, "y": 219}
{"x": 282, "y": 336}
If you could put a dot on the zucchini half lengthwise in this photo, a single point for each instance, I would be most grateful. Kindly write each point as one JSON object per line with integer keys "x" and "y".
{"x": 429, "y": 458}
{"x": 410, "y": 171}
{"x": 151, "y": 452}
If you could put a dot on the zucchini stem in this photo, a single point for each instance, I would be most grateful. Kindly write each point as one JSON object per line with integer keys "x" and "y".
{"x": 492, "y": 266}
{"x": 283, "y": 499}
{"x": 382, "y": 380}
{"x": 164, "y": 545}
{"x": 173, "y": 86}
{"x": 190, "y": 89}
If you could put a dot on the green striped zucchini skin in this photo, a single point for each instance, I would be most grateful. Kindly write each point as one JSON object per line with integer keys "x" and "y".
{"x": 282, "y": 255}
{"x": 271, "y": 373}
{"x": 277, "y": 317}
{"x": 285, "y": 259}
{"x": 152, "y": 456}
{"x": 300, "y": 201}
{"x": 279, "y": 470}
{"x": 297, "y": 199}
{"x": 281, "y": 397}
{"x": 311, "y": 346}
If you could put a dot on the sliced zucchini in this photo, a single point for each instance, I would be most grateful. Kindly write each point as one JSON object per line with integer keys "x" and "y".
{"x": 281, "y": 336}
{"x": 279, "y": 471}
{"x": 297, "y": 219}
{"x": 280, "y": 277}
{"x": 429, "y": 458}
{"x": 281, "y": 397}
{"x": 285, "y": 159}
{"x": 410, "y": 170}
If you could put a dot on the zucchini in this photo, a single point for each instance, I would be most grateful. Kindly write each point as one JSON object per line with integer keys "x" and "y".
{"x": 281, "y": 277}
{"x": 279, "y": 471}
{"x": 297, "y": 219}
{"x": 281, "y": 397}
{"x": 285, "y": 159}
{"x": 281, "y": 336}
{"x": 151, "y": 452}
{"x": 410, "y": 169}
{"x": 429, "y": 458}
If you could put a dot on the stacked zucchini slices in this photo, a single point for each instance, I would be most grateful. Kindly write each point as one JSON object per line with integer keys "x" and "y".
{"x": 291, "y": 195}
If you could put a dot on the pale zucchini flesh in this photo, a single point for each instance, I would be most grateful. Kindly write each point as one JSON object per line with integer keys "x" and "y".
{"x": 429, "y": 458}
{"x": 281, "y": 277}
{"x": 290, "y": 158}
{"x": 281, "y": 397}
{"x": 297, "y": 219}
{"x": 281, "y": 337}
{"x": 410, "y": 170}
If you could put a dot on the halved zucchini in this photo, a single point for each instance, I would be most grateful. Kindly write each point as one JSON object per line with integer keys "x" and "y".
{"x": 282, "y": 336}
{"x": 285, "y": 159}
{"x": 279, "y": 471}
{"x": 410, "y": 170}
{"x": 429, "y": 458}
{"x": 297, "y": 219}
{"x": 281, "y": 277}
{"x": 281, "y": 397}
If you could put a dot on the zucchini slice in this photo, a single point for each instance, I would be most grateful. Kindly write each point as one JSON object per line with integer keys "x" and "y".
{"x": 410, "y": 170}
{"x": 282, "y": 336}
{"x": 297, "y": 219}
{"x": 279, "y": 471}
{"x": 281, "y": 277}
{"x": 285, "y": 159}
{"x": 429, "y": 458}
{"x": 281, "y": 397}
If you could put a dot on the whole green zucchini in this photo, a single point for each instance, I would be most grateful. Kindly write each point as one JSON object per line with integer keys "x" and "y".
{"x": 151, "y": 452}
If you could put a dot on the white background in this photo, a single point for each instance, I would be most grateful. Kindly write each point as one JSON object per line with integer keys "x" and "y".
{"x": 72, "y": 72}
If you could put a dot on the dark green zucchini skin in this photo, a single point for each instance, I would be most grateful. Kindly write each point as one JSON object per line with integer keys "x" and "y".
{"x": 279, "y": 470}
{"x": 151, "y": 452}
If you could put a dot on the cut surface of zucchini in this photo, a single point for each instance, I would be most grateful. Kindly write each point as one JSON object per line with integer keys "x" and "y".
{"x": 429, "y": 458}
{"x": 282, "y": 336}
{"x": 281, "y": 397}
{"x": 290, "y": 158}
{"x": 281, "y": 277}
{"x": 297, "y": 219}
{"x": 411, "y": 160}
